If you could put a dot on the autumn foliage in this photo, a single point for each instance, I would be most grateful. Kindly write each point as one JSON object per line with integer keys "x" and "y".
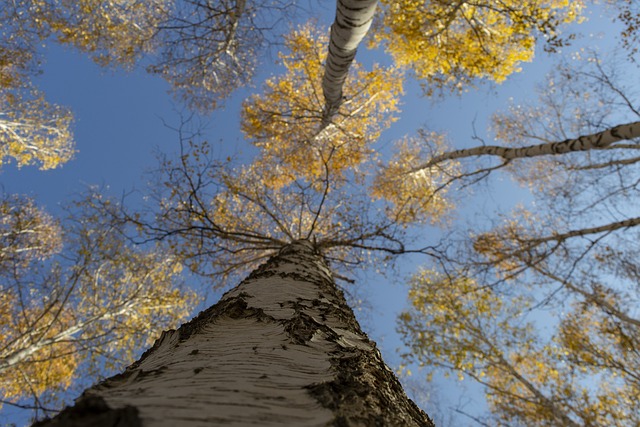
{"x": 285, "y": 120}
{"x": 78, "y": 296}
{"x": 64, "y": 316}
{"x": 541, "y": 308}
{"x": 416, "y": 194}
{"x": 451, "y": 43}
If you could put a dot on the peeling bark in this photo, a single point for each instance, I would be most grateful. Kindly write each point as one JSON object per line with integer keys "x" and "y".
{"x": 282, "y": 348}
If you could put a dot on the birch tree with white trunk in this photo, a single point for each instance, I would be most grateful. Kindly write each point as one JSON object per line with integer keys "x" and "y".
{"x": 586, "y": 120}
{"x": 282, "y": 348}
{"x": 352, "y": 22}
{"x": 606, "y": 139}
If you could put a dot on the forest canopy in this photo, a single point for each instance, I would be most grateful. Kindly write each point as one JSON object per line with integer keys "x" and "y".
{"x": 537, "y": 304}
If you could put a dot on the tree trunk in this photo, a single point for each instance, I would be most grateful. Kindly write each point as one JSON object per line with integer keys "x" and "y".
{"x": 282, "y": 348}
{"x": 597, "y": 141}
{"x": 353, "y": 19}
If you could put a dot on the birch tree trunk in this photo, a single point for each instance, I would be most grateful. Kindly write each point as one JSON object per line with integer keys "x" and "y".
{"x": 597, "y": 141}
{"x": 281, "y": 349}
{"x": 353, "y": 20}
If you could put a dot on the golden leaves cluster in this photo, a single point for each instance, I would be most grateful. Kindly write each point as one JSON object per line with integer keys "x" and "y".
{"x": 114, "y": 31}
{"x": 33, "y": 131}
{"x": 22, "y": 28}
{"x": 27, "y": 232}
{"x": 227, "y": 219}
{"x": 45, "y": 368}
{"x": 495, "y": 328}
{"x": 416, "y": 194}
{"x": 597, "y": 339}
{"x": 298, "y": 211}
{"x": 286, "y": 120}
{"x": 449, "y": 43}
{"x": 450, "y": 315}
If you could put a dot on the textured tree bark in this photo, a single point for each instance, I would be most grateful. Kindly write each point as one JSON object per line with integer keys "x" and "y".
{"x": 282, "y": 348}
{"x": 353, "y": 19}
{"x": 597, "y": 141}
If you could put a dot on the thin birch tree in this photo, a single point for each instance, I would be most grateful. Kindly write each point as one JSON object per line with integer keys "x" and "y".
{"x": 352, "y": 22}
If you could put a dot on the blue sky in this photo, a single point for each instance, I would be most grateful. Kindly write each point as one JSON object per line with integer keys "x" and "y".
{"x": 119, "y": 125}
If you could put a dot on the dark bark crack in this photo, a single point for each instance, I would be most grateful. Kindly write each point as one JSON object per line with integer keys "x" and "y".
{"x": 93, "y": 411}
{"x": 366, "y": 393}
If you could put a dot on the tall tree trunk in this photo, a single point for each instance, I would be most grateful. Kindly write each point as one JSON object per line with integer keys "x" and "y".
{"x": 353, "y": 19}
{"x": 282, "y": 348}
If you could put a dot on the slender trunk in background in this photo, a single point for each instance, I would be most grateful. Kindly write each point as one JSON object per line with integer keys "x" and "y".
{"x": 281, "y": 349}
{"x": 597, "y": 141}
{"x": 353, "y": 19}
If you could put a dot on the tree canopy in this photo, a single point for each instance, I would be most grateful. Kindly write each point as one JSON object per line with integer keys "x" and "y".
{"x": 568, "y": 261}
{"x": 83, "y": 293}
{"x": 451, "y": 43}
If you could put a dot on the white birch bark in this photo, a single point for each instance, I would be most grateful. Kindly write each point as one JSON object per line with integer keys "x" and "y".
{"x": 281, "y": 349}
{"x": 597, "y": 141}
{"x": 353, "y": 19}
